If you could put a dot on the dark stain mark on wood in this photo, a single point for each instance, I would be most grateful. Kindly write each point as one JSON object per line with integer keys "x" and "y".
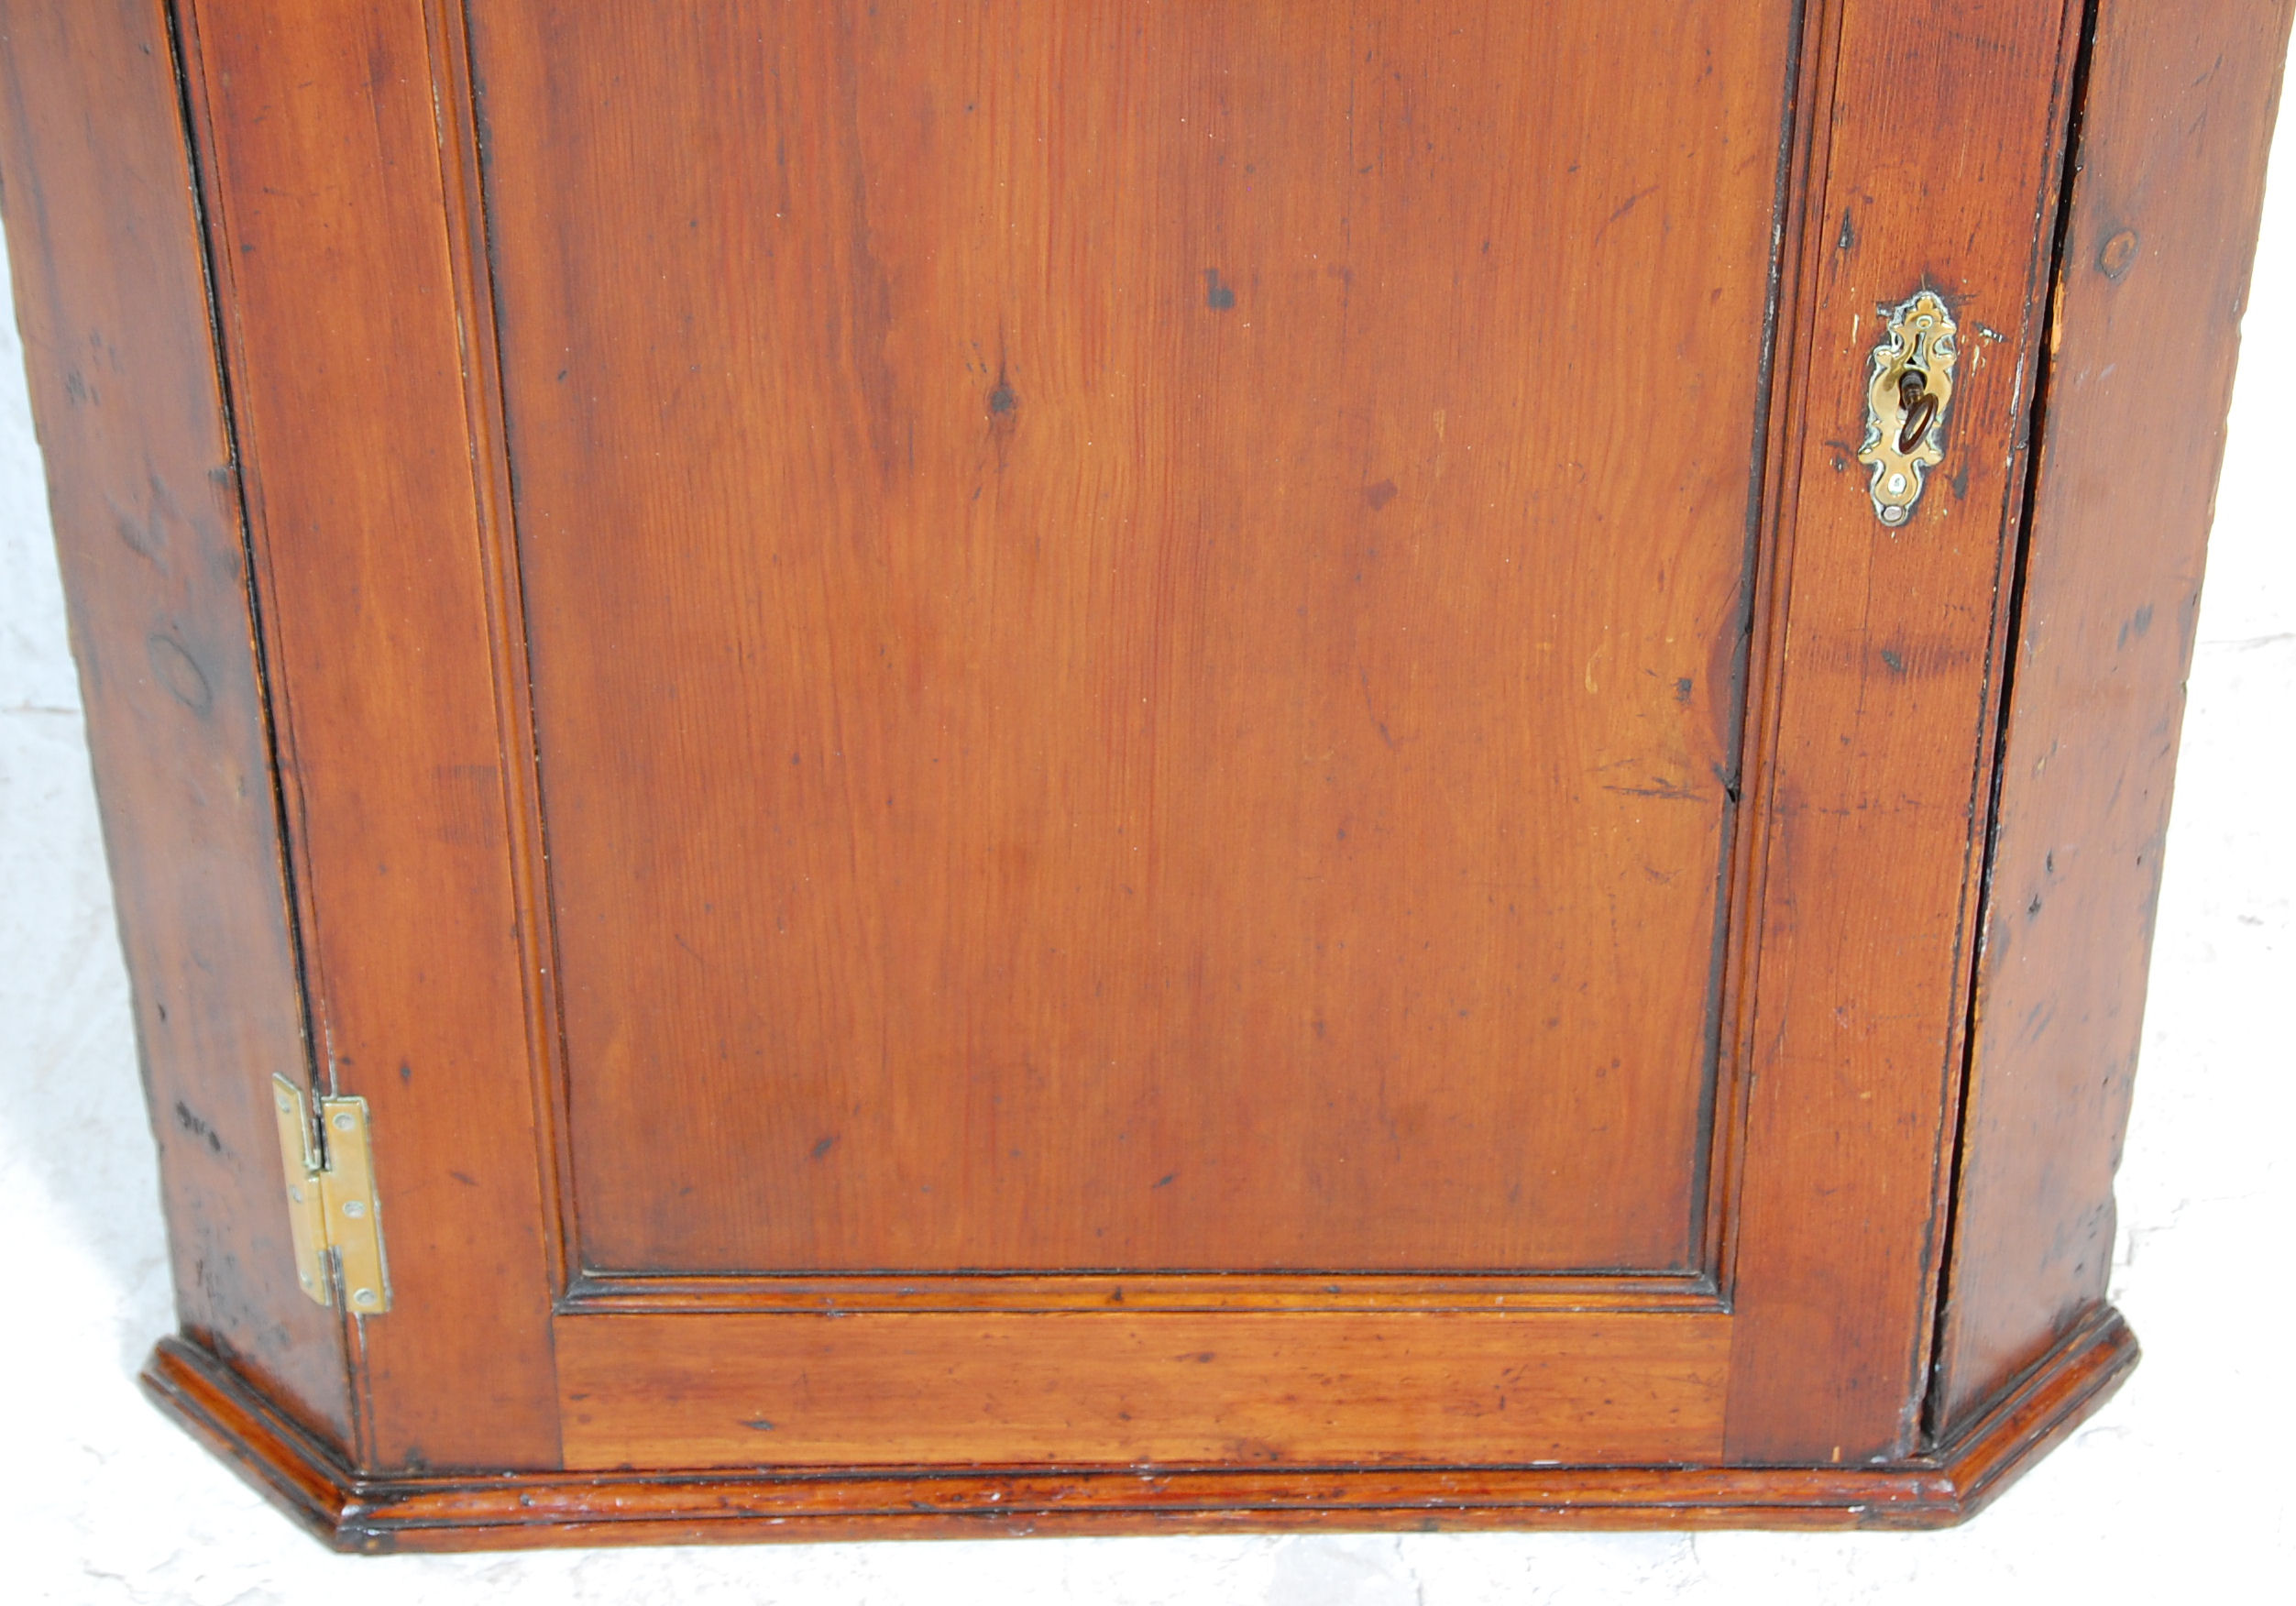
{"x": 176, "y": 670}
{"x": 1896, "y": 665}
{"x": 1004, "y": 414}
{"x": 1363, "y": 678}
{"x": 199, "y": 1130}
{"x": 1624, "y": 207}
{"x": 1379, "y": 496}
{"x": 2118, "y": 254}
{"x": 1682, "y": 689}
{"x": 1164, "y": 1180}
{"x": 144, "y": 537}
{"x": 1219, "y": 297}
{"x": 824, "y": 1146}
{"x": 759, "y": 1425}
{"x": 1849, "y": 232}
{"x": 2135, "y": 627}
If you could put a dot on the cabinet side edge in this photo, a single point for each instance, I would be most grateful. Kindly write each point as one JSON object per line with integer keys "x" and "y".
{"x": 2160, "y": 235}
{"x": 112, "y": 296}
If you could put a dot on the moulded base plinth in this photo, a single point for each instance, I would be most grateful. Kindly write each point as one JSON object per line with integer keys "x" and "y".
{"x": 478, "y": 1510}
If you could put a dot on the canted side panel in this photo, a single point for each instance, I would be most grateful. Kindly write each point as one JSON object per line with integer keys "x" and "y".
{"x": 110, "y": 295}
{"x": 2158, "y": 245}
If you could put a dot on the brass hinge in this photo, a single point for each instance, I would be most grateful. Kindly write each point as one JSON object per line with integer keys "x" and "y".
{"x": 331, "y": 1207}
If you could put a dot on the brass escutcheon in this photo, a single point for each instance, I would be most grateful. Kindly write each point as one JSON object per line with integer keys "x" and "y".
{"x": 1905, "y": 403}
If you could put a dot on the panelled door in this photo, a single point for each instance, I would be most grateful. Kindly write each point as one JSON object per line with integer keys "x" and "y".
{"x": 1173, "y": 732}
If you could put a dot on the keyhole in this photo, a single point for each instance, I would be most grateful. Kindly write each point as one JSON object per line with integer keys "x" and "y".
{"x": 1920, "y": 407}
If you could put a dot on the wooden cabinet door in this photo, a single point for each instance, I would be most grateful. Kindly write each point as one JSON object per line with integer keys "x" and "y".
{"x": 1085, "y": 733}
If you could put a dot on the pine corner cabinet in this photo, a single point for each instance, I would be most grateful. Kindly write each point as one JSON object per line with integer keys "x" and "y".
{"x": 961, "y": 767}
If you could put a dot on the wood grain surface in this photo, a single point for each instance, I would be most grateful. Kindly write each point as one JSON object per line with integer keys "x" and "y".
{"x": 1080, "y": 767}
{"x": 111, "y": 297}
{"x": 1941, "y": 164}
{"x": 345, "y": 341}
{"x": 445, "y": 1511}
{"x": 2158, "y": 242}
{"x": 1127, "y": 671}
{"x": 1174, "y": 1390}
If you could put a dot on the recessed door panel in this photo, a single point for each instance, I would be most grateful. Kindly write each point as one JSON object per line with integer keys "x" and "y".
{"x": 1125, "y": 674}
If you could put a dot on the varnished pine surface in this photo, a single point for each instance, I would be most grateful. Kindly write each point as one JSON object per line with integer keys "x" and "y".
{"x": 111, "y": 297}
{"x": 396, "y": 575}
{"x": 1263, "y": 1387}
{"x": 1125, "y": 675}
{"x": 329, "y": 232}
{"x": 1943, "y": 152}
{"x": 446, "y": 1512}
{"x": 409, "y": 631}
{"x": 2155, "y": 276}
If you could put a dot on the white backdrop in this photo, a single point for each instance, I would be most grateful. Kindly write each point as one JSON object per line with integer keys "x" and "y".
{"x": 2171, "y": 1492}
